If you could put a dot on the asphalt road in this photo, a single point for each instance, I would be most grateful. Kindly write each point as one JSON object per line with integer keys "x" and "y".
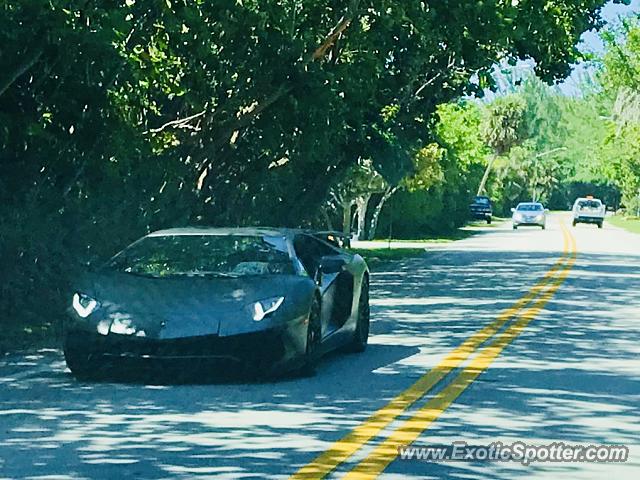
{"x": 454, "y": 356}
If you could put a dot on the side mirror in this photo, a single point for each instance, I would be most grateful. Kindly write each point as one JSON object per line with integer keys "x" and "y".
{"x": 332, "y": 264}
{"x": 513, "y": 210}
{"x": 546, "y": 210}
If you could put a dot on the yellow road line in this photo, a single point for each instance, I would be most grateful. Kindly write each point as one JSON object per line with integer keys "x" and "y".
{"x": 378, "y": 460}
{"x": 345, "y": 447}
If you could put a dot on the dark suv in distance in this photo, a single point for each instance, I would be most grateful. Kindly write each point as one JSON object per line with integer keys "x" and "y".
{"x": 480, "y": 208}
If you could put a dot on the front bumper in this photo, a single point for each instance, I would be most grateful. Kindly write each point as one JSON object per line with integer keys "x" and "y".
{"x": 528, "y": 220}
{"x": 480, "y": 214}
{"x": 529, "y": 224}
{"x": 264, "y": 347}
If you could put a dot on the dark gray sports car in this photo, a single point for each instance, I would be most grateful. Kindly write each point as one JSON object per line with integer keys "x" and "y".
{"x": 262, "y": 299}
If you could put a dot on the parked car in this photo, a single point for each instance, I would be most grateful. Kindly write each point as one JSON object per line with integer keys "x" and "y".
{"x": 257, "y": 299}
{"x": 588, "y": 210}
{"x": 481, "y": 209}
{"x": 529, "y": 213}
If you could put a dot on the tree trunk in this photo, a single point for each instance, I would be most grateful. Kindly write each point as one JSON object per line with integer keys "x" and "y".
{"x": 243, "y": 120}
{"x": 376, "y": 213}
{"x": 485, "y": 177}
{"x": 21, "y": 70}
{"x": 346, "y": 217}
{"x": 362, "y": 202}
{"x": 327, "y": 218}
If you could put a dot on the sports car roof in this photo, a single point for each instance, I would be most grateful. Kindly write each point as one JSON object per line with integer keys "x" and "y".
{"x": 258, "y": 231}
{"x": 336, "y": 238}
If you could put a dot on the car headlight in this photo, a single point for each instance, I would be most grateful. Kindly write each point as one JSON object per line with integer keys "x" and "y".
{"x": 539, "y": 218}
{"x": 84, "y": 305}
{"x": 262, "y": 308}
{"x": 517, "y": 216}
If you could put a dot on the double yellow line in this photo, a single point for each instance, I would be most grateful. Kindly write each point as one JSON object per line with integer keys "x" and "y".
{"x": 522, "y": 312}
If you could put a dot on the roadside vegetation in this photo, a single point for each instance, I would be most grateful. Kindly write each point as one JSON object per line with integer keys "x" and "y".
{"x": 631, "y": 224}
{"x": 120, "y": 118}
{"x": 380, "y": 251}
{"x": 375, "y": 256}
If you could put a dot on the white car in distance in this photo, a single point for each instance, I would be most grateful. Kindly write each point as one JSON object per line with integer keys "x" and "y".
{"x": 529, "y": 213}
{"x": 588, "y": 210}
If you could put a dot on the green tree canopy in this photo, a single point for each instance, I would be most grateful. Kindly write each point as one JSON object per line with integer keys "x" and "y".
{"x": 124, "y": 116}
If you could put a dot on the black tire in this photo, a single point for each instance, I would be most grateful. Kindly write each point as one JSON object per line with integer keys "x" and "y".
{"x": 361, "y": 334}
{"x": 574, "y": 223}
{"x": 544, "y": 227}
{"x": 314, "y": 338}
{"x": 599, "y": 224}
{"x": 488, "y": 220}
{"x": 79, "y": 361}
{"x": 515, "y": 227}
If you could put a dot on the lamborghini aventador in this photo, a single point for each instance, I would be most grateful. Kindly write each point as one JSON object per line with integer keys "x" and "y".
{"x": 267, "y": 300}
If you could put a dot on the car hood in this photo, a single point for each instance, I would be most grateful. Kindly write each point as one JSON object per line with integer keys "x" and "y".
{"x": 181, "y": 307}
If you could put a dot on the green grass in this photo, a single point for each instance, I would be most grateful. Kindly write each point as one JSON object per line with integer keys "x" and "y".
{"x": 631, "y": 224}
{"x": 383, "y": 250}
{"x": 459, "y": 234}
{"x": 442, "y": 238}
{"x": 376, "y": 255}
{"x": 495, "y": 222}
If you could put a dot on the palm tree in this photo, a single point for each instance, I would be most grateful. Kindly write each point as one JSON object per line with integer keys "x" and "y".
{"x": 503, "y": 128}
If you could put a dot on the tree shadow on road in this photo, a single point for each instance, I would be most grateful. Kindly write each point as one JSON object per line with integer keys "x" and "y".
{"x": 569, "y": 376}
{"x": 572, "y": 376}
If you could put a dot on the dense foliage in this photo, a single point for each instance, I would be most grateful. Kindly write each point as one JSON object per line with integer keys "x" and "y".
{"x": 118, "y": 117}
{"x": 620, "y": 79}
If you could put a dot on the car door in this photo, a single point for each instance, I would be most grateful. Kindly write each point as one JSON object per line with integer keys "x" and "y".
{"x": 334, "y": 287}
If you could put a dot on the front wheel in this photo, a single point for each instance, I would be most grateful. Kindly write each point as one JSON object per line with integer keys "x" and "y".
{"x": 488, "y": 220}
{"x": 543, "y": 227}
{"x": 599, "y": 224}
{"x": 314, "y": 337}
{"x": 574, "y": 223}
{"x": 515, "y": 227}
{"x": 361, "y": 333}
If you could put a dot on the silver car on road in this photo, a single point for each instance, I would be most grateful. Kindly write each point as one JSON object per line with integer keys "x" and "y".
{"x": 529, "y": 213}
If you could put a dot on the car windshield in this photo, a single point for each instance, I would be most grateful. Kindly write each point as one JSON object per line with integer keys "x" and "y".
{"x": 589, "y": 204}
{"x": 481, "y": 200}
{"x": 204, "y": 255}
{"x": 529, "y": 207}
